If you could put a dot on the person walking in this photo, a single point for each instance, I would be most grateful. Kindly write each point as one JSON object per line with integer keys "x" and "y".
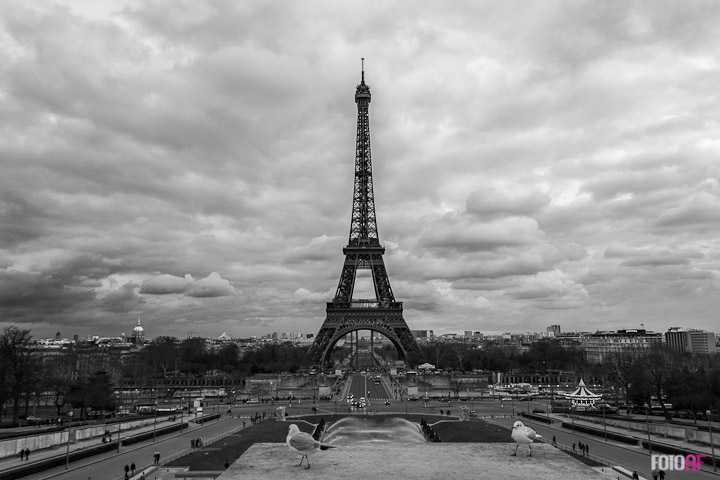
{"x": 127, "y": 469}
{"x": 22, "y": 454}
{"x": 662, "y": 474}
{"x": 573, "y": 447}
{"x": 132, "y": 469}
{"x": 27, "y": 454}
{"x": 656, "y": 473}
{"x": 587, "y": 450}
{"x": 554, "y": 443}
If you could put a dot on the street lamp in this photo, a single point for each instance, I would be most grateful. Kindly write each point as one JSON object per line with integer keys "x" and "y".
{"x": 119, "y": 419}
{"x": 712, "y": 444}
{"x": 156, "y": 409}
{"x": 67, "y": 452}
{"x": 367, "y": 400}
{"x": 182, "y": 409}
{"x": 548, "y": 411}
{"x": 647, "y": 423}
{"x": 604, "y": 423}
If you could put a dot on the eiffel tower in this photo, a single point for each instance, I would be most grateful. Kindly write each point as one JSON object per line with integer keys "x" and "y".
{"x": 363, "y": 251}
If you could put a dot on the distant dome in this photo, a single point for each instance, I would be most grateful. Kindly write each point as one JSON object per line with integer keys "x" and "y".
{"x": 138, "y": 334}
{"x": 138, "y": 328}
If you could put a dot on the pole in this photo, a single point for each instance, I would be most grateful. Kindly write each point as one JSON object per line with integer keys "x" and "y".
{"x": 182, "y": 410}
{"x": 119, "y": 420}
{"x": 67, "y": 452}
{"x": 548, "y": 411}
{"x": 712, "y": 444}
{"x": 156, "y": 409}
{"x": 647, "y": 423}
{"x": 367, "y": 400}
{"x": 604, "y": 423}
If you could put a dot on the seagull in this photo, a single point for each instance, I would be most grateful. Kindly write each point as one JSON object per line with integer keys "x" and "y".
{"x": 524, "y": 435}
{"x": 303, "y": 443}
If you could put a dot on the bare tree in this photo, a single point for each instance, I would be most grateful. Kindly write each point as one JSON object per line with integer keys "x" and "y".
{"x": 20, "y": 369}
{"x": 659, "y": 364}
{"x": 456, "y": 385}
{"x": 620, "y": 366}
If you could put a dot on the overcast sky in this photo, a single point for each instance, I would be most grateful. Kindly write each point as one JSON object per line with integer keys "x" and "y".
{"x": 191, "y": 163}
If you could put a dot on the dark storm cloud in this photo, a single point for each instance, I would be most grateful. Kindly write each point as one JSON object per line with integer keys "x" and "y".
{"x": 191, "y": 164}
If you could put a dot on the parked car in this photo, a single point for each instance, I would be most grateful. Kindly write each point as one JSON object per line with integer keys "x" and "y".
{"x": 606, "y": 407}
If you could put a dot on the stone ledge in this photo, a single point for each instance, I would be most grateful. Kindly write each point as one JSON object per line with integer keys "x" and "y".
{"x": 475, "y": 461}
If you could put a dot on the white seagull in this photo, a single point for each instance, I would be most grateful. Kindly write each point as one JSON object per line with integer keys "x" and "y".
{"x": 523, "y": 435}
{"x": 303, "y": 443}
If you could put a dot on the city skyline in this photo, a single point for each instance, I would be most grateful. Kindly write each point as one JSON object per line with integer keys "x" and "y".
{"x": 191, "y": 164}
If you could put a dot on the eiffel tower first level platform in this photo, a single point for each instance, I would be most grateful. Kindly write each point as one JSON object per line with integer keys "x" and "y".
{"x": 363, "y": 252}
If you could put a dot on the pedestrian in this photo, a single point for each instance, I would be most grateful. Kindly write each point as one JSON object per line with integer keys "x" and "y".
{"x": 662, "y": 474}
{"x": 27, "y": 454}
{"x": 127, "y": 469}
{"x": 656, "y": 473}
{"x": 554, "y": 443}
{"x": 573, "y": 447}
{"x": 635, "y": 475}
{"x": 157, "y": 458}
{"x": 132, "y": 469}
{"x": 441, "y": 412}
{"x": 192, "y": 444}
{"x": 587, "y": 450}
{"x": 227, "y": 463}
{"x": 22, "y": 454}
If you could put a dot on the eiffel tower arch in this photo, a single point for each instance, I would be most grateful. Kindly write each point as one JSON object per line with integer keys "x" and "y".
{"x": 344, "y": 314}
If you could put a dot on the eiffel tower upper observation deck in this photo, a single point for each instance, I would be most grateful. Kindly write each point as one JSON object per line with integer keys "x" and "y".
{"x": 363, "y": 251}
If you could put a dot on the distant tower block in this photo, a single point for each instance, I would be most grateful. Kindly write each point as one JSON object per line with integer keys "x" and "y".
{"x": 363, "y": 252}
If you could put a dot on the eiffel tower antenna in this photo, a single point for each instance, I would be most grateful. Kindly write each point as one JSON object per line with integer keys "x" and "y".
{"x": 363, "y": 251}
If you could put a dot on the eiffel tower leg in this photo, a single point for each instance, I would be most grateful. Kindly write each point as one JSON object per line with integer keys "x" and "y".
{"x": 344, "y": 321}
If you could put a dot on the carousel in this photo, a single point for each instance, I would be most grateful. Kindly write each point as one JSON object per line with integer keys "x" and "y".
{"x": 582, "y": 398}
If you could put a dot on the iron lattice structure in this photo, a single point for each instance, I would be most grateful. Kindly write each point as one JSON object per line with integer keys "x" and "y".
{"x": 363, "y": 251}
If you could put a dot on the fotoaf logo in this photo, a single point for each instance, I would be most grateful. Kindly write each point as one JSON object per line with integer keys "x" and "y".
{"x": 676, "y": 462}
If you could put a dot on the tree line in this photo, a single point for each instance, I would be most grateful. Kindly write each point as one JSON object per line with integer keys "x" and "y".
{"x": 84, "y": 375}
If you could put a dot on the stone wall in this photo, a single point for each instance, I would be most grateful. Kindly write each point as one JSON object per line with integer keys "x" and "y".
{"x": 12, "y": 447}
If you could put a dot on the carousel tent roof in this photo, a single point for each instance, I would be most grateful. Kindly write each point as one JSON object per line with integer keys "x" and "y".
{"x": 582, "y": 393}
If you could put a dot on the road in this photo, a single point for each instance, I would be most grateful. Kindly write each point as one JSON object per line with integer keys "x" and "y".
{"x": 360, "y": 386}
{"x": 631, "y": 457}
{"x": 110, "y": 466}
